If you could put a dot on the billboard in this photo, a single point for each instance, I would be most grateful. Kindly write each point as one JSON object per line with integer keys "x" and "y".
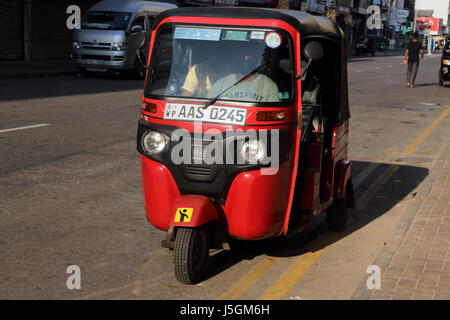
{"x": 428, "y": 26}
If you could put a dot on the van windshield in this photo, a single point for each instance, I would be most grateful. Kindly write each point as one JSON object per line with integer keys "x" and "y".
{"x": 202, "y": 63}
{"x": 106, "y": 20}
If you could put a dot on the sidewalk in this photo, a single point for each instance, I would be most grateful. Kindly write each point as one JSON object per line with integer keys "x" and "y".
{"x": 415, "y": 262}
{"x": 21, "y": 69}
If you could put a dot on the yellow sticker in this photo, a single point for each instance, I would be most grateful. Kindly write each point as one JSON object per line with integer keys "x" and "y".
{"x": 184, "y": 214}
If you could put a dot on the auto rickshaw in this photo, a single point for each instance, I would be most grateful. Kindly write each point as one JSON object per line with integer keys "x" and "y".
{"x": 444, "y": 71}
{"x": 268, "y": 88}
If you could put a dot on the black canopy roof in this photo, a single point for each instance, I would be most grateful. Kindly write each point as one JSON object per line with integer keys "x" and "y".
{"x": 306, "y": 24}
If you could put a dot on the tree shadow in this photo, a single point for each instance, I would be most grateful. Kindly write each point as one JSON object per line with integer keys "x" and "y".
{"x": 316, "y": 235}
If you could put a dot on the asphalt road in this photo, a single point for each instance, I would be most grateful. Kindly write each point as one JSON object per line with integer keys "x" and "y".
{"x": 70, "y": 193}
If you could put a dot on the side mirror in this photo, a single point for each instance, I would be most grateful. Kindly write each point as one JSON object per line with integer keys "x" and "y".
{"x": 313, "y": 51}
{"x": 136, "y": 28}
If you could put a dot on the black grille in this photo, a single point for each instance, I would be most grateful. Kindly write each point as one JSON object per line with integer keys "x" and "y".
{"x": 198, "y": 172}
{"x": 95, "y": 57}
{"x": 96, "y": 47}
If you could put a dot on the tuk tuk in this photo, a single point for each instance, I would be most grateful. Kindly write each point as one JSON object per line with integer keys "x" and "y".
{"x": 243, "y": 131}
{"x": 444, "y": 70}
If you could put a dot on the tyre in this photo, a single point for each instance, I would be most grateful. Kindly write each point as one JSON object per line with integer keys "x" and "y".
{"x": 191, "y": 252}
{"x": 337, "y": 215}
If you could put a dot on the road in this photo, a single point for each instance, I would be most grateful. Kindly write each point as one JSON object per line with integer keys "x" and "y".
{"x": 70, "y": 193}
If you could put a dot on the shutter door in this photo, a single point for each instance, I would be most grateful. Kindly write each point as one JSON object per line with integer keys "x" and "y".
{"x": 50, "y": 38}
{"x": 11, "y": 34}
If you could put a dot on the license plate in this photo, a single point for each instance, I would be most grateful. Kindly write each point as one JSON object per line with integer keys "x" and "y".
{"x": 92, "y": 61}
{"x": 96, "y": 70}
{"x": 214, "y": 114}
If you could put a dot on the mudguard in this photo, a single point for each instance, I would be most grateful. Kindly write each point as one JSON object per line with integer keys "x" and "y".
{"x": 192, "y": 211}
{"x": 343, "y": 175}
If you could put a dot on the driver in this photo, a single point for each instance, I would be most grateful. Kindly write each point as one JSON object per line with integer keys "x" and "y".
{"x": 201, "y": 76}
{"x": 257, "y": 88}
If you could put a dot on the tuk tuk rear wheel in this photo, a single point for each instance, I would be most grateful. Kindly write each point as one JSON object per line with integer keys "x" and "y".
{"x": 337, "y": 215}
{"x": 191, "y": 252}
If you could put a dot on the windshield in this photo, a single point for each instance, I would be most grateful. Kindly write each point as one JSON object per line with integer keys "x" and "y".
{"x": 106, "y": 20}
{"x": 204, "y": 62}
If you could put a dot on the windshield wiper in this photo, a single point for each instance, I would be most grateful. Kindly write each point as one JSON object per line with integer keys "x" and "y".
{"x": 244, "y": 78}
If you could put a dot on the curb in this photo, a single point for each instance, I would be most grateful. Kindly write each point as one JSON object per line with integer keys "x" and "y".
{"x": 386, "y": 254}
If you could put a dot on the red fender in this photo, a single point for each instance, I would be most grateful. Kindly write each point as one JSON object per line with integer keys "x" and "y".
{"x": 192, "y": 211}
{"x": 343, "y": 175}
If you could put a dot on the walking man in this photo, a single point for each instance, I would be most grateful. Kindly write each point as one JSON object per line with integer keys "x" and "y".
{"x": 412, "y": 59}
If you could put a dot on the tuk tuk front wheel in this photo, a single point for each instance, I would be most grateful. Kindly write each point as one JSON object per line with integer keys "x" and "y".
{"x": 191, "y": 252}
{"x": 337, "y": 215}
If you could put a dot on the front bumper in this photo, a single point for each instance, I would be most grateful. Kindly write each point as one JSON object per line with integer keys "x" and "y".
{"x": 102, "y": 59}
{"x": 213, "y": 180}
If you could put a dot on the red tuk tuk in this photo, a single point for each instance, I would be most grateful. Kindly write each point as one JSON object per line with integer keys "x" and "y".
{"x": 243, "y": 132}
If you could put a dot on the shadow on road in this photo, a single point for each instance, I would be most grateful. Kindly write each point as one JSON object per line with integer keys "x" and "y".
{"x": 417, "y": 85}
{"x": 316, "y": 235}
{"x": 46, "y": 87}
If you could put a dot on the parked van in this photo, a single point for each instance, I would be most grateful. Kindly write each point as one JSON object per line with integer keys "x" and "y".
{"x": 110, "y": 33}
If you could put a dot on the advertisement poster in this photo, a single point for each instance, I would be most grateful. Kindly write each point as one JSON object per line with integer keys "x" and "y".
{"x": 428, "y": 26}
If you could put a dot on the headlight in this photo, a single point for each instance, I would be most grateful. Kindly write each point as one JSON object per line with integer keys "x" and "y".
{"x": 154, "y": 142}
{"x": 76, "y": 45}
{"x": 119, "y": 46}
{"x": 447, "y": 62}
{"x": 253, "y": 151}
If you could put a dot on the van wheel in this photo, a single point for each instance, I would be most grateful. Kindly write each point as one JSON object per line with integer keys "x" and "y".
{"x": 337, "y": 215}
{"x": 191, "y": 252}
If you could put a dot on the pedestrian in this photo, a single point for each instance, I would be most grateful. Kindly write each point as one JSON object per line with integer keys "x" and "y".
{"x": 412, "y": 59}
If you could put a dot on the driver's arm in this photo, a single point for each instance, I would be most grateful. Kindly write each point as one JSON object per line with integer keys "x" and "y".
{"x": 190, "y": 83}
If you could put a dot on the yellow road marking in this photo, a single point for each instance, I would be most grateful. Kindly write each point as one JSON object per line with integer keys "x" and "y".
{"x": 384, "y": 177}
{"x": 374, "y": 187}
{"x": 305, "y": 262}
{"x": 248, "y": 279}
{"x": 364, "y": 174}
{"x": 392, "y": 149}
{"x": 291, "y": 277}
{"x": 425, "y": 133}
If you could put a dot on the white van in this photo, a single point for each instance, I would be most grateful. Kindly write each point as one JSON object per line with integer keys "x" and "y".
{"x": 110, "y": 33}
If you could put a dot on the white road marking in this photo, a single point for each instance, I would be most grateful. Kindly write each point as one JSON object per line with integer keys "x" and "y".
{"x": 25, "y": 128}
